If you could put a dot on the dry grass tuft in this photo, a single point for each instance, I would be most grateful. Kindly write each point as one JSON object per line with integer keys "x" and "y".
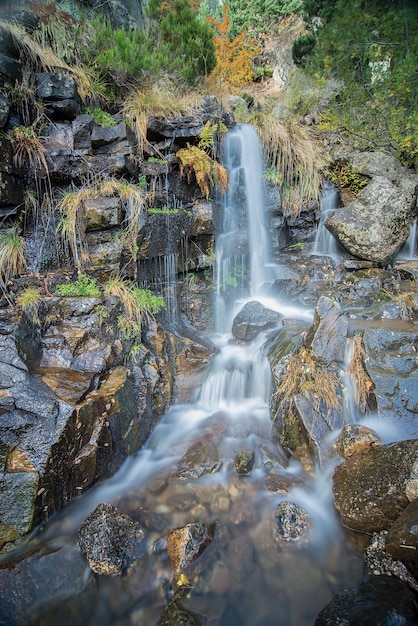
{"x": 12, "y": 255}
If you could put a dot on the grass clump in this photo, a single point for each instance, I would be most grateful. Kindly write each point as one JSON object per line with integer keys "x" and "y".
{"x": 12, "y": 255}
{"x": 29, "y": 300}
{"x": 27, "y": 148}
{"x": 100, "y": 117}
{"x": 137, "y": 303}
{"x": 85, "y": 286}
{"x": 306, "y": 375}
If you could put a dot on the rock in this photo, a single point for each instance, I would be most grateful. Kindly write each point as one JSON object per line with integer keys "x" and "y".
{"x": 292, "y": 525}
{"x": 44, "y": 578}
{"x": 371, "y": 487}
{"x": 109, "y": 540}
{"x": 328, "y": 333}
{"x": 379, "y": 600}
{"x": 58, "y": 137}
{"x": 104, "y": 135}
{"x": 253, "y": 319}
{"x": 402, "y": 538}
{"x": 376, "y": 224}
{"x": 10, "y": 70}
{"x": 391, "y": 364}
{"x": 244, "y": 462}
{"x": 51, "y": 86}
{"x": 354, "y": 438}
{"x": 379, "y": 562}
{"x": 4, "y": 110}
{"x": 202, "y": 457}
{"x": 102, "y": 213}
{"x": 202, "y": 222}
{"x": 175, "y": 614}
{"x": 82, "y": 126}
{"x": 11, "y": 190}
{"x": 186, "y": 544}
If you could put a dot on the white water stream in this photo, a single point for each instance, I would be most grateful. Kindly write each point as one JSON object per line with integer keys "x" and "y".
{"x": 253, "y": 582}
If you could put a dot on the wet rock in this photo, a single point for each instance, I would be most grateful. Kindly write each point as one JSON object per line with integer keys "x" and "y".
{"x": 17, "y": 503}
{"x": 328, "y": 333}
{"x": 291, "y": 525}
{"x": 253, "y": 319}
{"x": 46, "y": 577}
{"x": 102, "y": 213}
{"x": 402, "y": 538}
{"x": 379, "y": 562}
{"x": 82, "y": 126}
{"x": 202, "y": 222}
{"x": 354, "y": 438}
{"x": 104, "y": 135}
{"x": 58, "y": 137}
{"x": 379, "y": 600}
{"x": 186, "y": 544}
{"x": 175, "y": 614}
{"x": 4, "y": 110}
{"x": 244, "y": 462}
{"x": 11, "y": 190}
{"x": 109, "y": 540}
{"x": 391, "y": 363}
{"x": 373, "y": 487}
{"x": 202, "y": 457}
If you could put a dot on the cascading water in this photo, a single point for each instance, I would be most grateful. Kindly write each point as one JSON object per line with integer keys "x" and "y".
{"x": 409, "y": 251}
{"x": 325, "y": 243}
{"x": 250, "y": 581}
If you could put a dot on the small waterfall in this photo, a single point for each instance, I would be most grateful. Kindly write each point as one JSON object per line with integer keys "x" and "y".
{"x": 409, "y": 251}
{"x": 163, "y": 269}
{"x": 325, "y": 243}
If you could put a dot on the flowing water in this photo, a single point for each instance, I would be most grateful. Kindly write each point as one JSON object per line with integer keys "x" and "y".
{"x": 250, "y": 580}
{"x": 325, "y": 243}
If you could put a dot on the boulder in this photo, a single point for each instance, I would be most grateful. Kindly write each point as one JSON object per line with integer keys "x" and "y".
{"x": 379, "y": 600}
{"x": 373, "y": 487}
{"x": 376, "y": 224}
{"x": 202, "y": 457}
{"x": 354, "y": 438}
{"x": 109, "y": 540}
{"x": 253, "y": 319}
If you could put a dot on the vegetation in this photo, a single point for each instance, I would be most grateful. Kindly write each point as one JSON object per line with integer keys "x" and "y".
{"x": 197, "y": 160}
{"x": 137, "y": 303}
{"x": 29, "y": 300}
{"x": 233, "y": 56}
{"x": 102, "y": 118}
{"x": 375, "y": 58}
{"x": 12, "y": 255}
{"x": 28, "y": 149}
{"x": 306, "y": 375}
{"x": 85, "y": 286}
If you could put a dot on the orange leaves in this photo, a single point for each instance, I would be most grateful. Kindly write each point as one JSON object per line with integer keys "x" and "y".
{"x": 234, "y": 57}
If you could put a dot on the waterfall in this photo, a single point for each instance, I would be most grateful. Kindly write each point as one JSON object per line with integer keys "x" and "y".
{"x": 231, "y": 410}
{"x": 242, "y": 247}
{"x": 409, "y": 251}
{"x": 325, "y": 242}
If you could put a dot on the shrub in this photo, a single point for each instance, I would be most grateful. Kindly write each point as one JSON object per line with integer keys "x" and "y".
{"x": 12, "y": 255}
{"x": 84, "y": 287}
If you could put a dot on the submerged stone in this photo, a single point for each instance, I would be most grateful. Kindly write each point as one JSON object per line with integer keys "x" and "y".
{"x": 109, "y": 540}
{"x": 292, "y": 525}
{"x": 186, "y": 544}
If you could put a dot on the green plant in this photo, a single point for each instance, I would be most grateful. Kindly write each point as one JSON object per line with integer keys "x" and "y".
{"x": 12, "y": 255}
{"x": 102, "y": 118}
{"x": 342, "y": 174}
{"x": 84, "y": 287}
{"x": 138, "y": 303}
{"x": 102, "y": 312}
{"x": 29, "y": 300}
{"x": 164, "y": 210}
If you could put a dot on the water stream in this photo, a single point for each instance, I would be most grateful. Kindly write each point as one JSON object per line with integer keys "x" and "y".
{"x": 251, "y": 581}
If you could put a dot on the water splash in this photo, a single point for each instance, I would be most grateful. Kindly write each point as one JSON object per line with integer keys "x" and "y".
{"x": 409, "y": 251}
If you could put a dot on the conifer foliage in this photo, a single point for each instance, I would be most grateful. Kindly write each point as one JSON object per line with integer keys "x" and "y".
{"x": 233, "y": 57}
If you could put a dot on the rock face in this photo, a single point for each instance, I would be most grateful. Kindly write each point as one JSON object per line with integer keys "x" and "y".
{"x": 328, "y": 333}
{"x": 402, "y": 538}
{"x": 109, "y": 540}
{"x": 376, "y": 224}
{"x": 373, "y": 487}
